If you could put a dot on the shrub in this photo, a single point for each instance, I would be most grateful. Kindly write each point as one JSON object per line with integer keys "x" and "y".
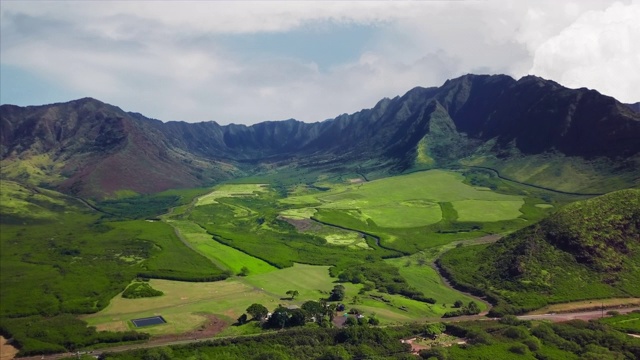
{"x": 140, "y": 290}
{"x": 520, "y": 349}
{"x": 516, "y": 332}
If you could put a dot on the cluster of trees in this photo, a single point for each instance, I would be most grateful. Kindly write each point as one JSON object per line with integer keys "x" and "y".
{"x": 139, "y": 207}
{"x": 337, "y": 293}
{"x": 320, "y": 312}
{"x": 356, "y": 342}
{"x": 40, "y": 335}
{"x": 140, "y": 290}
{"x": 471, "y": 308}
{"x": 385, "y": 278}
{"x": 508, "y": 338}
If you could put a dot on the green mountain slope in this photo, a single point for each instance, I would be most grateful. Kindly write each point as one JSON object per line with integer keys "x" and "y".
{"x": 587, "y": 250}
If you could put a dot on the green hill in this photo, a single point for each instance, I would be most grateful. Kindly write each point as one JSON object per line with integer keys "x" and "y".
{"x": 587, "y": 250}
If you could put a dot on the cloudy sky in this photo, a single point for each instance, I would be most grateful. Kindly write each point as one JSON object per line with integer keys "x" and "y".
{"x": 246, "y": 62}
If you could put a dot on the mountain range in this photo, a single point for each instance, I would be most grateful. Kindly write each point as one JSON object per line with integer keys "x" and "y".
{"x": 530, "y": 130}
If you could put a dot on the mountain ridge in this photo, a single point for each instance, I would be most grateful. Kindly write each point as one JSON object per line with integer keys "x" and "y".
{"x": 81, "y": 146}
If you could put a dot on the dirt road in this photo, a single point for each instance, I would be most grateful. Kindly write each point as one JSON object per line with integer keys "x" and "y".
{"x": 581, "y": 315}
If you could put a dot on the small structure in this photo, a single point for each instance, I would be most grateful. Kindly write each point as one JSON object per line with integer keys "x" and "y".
{"x": 148, "y": 321}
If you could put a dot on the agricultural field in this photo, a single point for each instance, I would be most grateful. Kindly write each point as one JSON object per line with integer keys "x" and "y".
{"x": 223, "y": 256}
{"x": 417, "y": 269}
{"x": 413, "y": 200}
{"x": 254, "y": 242}
{"x": 230, "y": 190}
{"x": 185, "y": 305}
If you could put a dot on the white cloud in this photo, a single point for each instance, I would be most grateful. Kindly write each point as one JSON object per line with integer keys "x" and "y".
{"x": 165, "y": 60}
{"x": 600, "y": 50}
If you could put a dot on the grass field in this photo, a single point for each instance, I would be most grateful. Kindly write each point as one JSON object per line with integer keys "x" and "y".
{"x": 419, "y": 273}
{"x": 17, "y": 200}
{"x": 184, "y": 304}
{"x": 487, "y": 210}
{"x": 222, "y": 255}
{"x": 229, "y": 190}
{"x": 412, "y": 200}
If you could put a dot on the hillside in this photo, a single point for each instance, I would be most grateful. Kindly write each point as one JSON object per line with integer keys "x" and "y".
{"x": 531, "y": 130}
{"x": 587, "y": 250}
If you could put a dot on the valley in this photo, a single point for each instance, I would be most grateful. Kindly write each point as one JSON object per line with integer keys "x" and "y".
{"x": 410, "y": 219}
{"x": 225, "y": 228}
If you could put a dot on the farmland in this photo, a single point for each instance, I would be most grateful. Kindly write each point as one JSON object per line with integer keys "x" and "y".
{"x": 261, "y": 240}
{"x": 413, "y": 200}
{"x": 225, "y": 257}
{"x": 250, "y": 226}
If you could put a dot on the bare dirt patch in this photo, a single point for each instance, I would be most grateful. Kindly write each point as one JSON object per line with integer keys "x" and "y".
{"x": 583, "y": 315}
{"x": 356, "y": 181}
{"x": 444, "y": 340}
{"x": 211, "y": 327}
{"x": 586, "y": 305}
{"x": 303, "y": 225}
{"x": 7, "y": 352}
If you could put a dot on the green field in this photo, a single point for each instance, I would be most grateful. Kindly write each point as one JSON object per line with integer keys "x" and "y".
{"x": 413, "y": 200}
{"x": 379, "y": 237}
{"x": 487, "y": 210}
{"x": 20, "y": 201}
{"x": 184, "y": 304}
{"x": 226, "y": 257}
{"x": 419, "y": 273}
{"x": 229, "y": 190}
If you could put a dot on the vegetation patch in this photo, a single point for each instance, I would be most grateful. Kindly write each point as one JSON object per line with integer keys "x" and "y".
{"x": 230, "y": 190}
{"x": 587, "y": 250}
{"x": 418, "y": 272}
{"x": 543, "y": 206}
{"x": 140, "y": 290}
{"x": 19, "y": 202}
{"x": 412, "y": 200}
{"x": 628, "y": 323}
{"x": 226, "y": 257}
{"x": 486, "y": 210}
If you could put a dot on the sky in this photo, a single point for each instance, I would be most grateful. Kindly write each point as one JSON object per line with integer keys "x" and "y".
{"x": 245, "y": 62}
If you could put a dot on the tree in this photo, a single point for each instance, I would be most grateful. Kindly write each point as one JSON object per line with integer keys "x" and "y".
{"x": 242, "y": 319}
{"x": 244, "y": 271}
{"x": 257, "y": 311}
{"x": 351, "y": 321}
{"x": 434, "y": 329}
{"x": 330, "y": 310}
{"x": 458, "y": 304}
{"x": 314, "y": 309}
{"x": 473, "y": 308}
{"x": 279, "y": 318}
{"x": 297, "y": 318}
{"x": 292, "y": 293}
{"x": 337, "y": 294}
